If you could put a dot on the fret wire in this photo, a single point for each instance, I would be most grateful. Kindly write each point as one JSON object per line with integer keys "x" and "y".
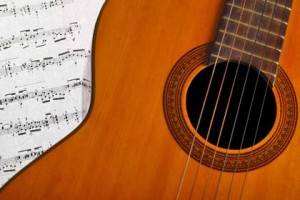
{"x": 257, "y": 13}
{"x": 221, "y": 57}
{"x": 279, "y": 5}
{"x": 277, "y": 27}
{"x": 254, "y": 27}
{"x": 249, "y": 54}
{"x": 252, "y": 34}
{"x": 286, "y": 8}
{"x": 267, "y": 50}
{"x": 250, "y": 40}
{"x": 269, "y": 73}
{"x": 246, "y": 52}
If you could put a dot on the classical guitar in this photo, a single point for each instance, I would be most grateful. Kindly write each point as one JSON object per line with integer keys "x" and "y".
{"x": 192, "y": 100}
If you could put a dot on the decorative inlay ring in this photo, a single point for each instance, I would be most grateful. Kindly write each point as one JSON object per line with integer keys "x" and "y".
{"x": 213, "y": 157}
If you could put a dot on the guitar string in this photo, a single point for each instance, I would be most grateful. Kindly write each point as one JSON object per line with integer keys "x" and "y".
{"x": 221, "y": 87}
{"x": 249, "y": 162}
{"x": 239, "y": 104}
{"x": 243, "y": 92}
{"x": 254, "y": 94}
{"x": 230, "y": 96}
{"x": 217, "y": 103}
{"x": 260, "y": 114}
{"x": 247, "y": 118}
{"x": 199, "y": 119}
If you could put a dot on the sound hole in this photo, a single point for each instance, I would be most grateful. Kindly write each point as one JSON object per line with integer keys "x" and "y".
{"x": 239, "y": 120}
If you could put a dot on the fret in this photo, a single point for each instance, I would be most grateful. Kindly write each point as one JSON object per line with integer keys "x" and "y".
{"x": 241, "y": 52}
{"x": 250, "y": 40}
{"x": 269, "y": 73}
{"x": 266, "y": 67}
{"x": 272, "y": 18}
{"x": 255, "y": 59}
{"x": 253, "y": 46}
{"x": 247, "y": 51}
{"x": 253, "y": 27}
{"x": 265, "y": 25}
{"x": 282, "y": 4}
{"x": 254, "y": 12}
{"x": 275, "y": 21}
{"x": 270, "y": 67}
{"x": 219, "y": 58}
{"x": 252, "y": 31}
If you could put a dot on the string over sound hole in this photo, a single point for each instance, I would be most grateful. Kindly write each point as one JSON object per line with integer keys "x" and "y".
{"x": 236, "y": 114}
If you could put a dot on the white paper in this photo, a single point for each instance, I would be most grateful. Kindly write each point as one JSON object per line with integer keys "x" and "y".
{"x": 45, "y": 75}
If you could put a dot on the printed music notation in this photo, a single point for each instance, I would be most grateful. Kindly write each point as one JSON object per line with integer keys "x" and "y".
{"x": 44, "y": 95}
{"x": 9, "y": 68}
{"x": 9, "y": 9}
{"x": 39, "y": 37}
{"x": 45, "y": 76}
{"x": 35, "y": 126}
{"x": 22, "y": 156}
{"x": 10, "y": 165}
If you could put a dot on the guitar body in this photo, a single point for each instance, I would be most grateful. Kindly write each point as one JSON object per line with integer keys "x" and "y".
{"x": 125, "y": 149}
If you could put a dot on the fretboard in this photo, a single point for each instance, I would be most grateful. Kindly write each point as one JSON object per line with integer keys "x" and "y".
{"x": 252, "y": 32}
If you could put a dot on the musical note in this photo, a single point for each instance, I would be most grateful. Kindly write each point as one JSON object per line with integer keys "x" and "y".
{"x": 44, "y": 95}
{"x": 45, "y": 76}
{"x": 7, "y": 10}
{"x": 9, "y": 165}
{"x": 33, "y": 36}
{"x": 9, "y": 68}
{"x": 36, "y": 126}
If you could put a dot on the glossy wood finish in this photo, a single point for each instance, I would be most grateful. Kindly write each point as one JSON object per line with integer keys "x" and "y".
{"x": 124, "y": 150}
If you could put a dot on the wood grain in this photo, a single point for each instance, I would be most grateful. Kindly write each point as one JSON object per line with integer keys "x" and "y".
{"x": 124, "y": 150}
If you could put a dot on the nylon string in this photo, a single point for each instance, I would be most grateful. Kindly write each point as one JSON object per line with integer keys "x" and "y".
{"x": 251, "y": 109}
{"x": 230, "y": 96}
{"x": 200, "y": 116}
{"x": 254, "y": 140}
{"x": 240, "y": 101}
{"x": 217, "y": 103}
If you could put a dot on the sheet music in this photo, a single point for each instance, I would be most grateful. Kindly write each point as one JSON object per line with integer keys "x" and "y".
{"x": 45, "y": 75}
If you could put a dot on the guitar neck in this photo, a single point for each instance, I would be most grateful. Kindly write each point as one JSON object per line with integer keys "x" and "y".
{"x": 252, "y": 32}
